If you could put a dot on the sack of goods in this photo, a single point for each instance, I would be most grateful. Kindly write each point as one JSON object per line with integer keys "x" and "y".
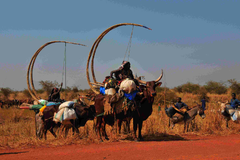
{"x": 111, "y": 83}
{"x": 43, "y": 102}
{"x": 128, "y": 86}
{"x": 66, "y": 112}
{"x": 69, "y": 113}
{"x": 110, "y": 91}
{"x": 236, "y": 115}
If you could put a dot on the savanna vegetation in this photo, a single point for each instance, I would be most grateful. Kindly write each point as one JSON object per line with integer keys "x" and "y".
{"x": 17, "y": 127}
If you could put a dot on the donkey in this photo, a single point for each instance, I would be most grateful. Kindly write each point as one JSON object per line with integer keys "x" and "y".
{"x": 187, "y": 117}
{"x": 227, "y": 111}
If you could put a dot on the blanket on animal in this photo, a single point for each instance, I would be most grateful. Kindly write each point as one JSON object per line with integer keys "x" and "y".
{"x": 117, "y": 103}
{"x": 49, "y": 104}
{"x": 66, "y": 112}
{"x": 36, "y": 107}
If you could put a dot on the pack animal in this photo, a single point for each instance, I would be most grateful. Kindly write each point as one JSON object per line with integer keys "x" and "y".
{"x": 225, "y": 111}
{"x": 144, "y": 110}
{"x": 187, "y": 117}
{"x": 84, "y": 113}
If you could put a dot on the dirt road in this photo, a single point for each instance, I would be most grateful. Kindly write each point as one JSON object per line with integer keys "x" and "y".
{"x": 189, "y": 147}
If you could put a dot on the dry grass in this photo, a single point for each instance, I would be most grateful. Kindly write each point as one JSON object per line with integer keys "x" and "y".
{"x": 17, "y": 127}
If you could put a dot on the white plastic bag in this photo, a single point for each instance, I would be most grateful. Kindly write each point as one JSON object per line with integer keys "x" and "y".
{"x": 69, "y": 113}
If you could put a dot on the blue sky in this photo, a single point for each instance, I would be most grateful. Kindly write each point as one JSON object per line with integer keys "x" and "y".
{"x": 190, "y": 40}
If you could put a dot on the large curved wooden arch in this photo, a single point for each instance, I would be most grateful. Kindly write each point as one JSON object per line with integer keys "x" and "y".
{"x": 32, "y": 91}
{"x": 93, "y": 52}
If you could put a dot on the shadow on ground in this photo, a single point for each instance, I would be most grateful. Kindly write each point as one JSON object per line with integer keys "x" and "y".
{"x": 161, "y": 137}
{"x": 5, "y": 153}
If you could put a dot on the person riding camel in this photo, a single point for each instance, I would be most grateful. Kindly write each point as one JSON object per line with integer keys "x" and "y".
{"x": 55, "y": 94}
{"x": 179, "y": 106}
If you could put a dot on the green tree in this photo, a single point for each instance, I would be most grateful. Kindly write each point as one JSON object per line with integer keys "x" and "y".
{"x": 167, "y": 95}
{"x": 178, "y": 89}
{"x": 26, "y": 93}
{"x": 190, "y": 88}
{"x": 203, "y": 93}
{"x": 6, "y": 92}
{"x": 234, "y": 86}
{"x": 75, "y": 89}
{"x": 48, "y": 85}
{"x": 215, "y": 87}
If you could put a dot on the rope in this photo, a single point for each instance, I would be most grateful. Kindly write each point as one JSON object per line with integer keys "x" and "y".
{"x": 93, "y": 52}
{"x": 129, "y": 45}
{"x": 164, "y": 84}
{"x": 63, "y": 66}
{"x": 65, "y": 59}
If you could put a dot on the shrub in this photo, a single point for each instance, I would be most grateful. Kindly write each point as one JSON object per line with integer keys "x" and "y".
{"x": 178, "y": 89}
{"x": 26, "y": 93}
{"x": 48, "y": 85}
{"x": 203, "y": 93}
{"x": 234, "y": 86}
{"x": 215, "y": 87}
{"x": 75, "y": 89}
{"x": 166, "y": 94}
{"x": 187, "y": 88}
{"x": 6, "y": 92}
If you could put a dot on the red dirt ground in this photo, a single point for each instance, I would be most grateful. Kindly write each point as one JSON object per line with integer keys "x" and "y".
{"x": 189, "y": 147}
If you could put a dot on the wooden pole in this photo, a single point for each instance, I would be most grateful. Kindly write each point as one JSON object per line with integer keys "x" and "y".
{"x": 65, "y": 58}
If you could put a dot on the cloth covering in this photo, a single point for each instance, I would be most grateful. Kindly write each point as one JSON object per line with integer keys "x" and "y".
{"x": 102, "y": 90}
{"x": 66, "y": 104}
{"x": 53, "y": 103}
{"x": 36, "y": 107}
{"x": 43, "y": 102}
{"x": 42, "y": 109}
{"x": 69, "y": 113}
{"x": 110, "y": 91}
{"x": 128, "y": 86}
{"x": 132, "y": 95}
{"x": 66, "y": 112}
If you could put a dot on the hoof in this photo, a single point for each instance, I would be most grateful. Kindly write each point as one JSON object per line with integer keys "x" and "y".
{"x": 136, "y": 140}
{"x": 140, "y": 139}
{"x": 107, "y": 138}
